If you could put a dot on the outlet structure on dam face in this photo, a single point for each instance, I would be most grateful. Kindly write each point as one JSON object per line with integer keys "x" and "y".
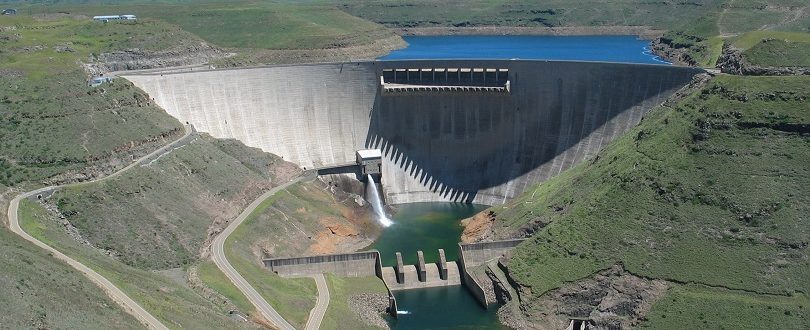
{"x": 438, "y": 144}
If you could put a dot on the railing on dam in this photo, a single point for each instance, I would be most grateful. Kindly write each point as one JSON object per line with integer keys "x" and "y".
{"x": 476, "y": 80}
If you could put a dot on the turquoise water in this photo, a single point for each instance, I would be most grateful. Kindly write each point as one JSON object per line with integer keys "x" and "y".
{"x": 442, "y": 308}
{"x": 428, "y": 227}
{"x": 626, "y": 49}
{"x": 425, "y": 227}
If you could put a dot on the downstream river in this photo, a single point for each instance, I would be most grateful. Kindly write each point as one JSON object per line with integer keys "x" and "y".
{"x": 626, "y": 49}
{"x": 429, "y": 227}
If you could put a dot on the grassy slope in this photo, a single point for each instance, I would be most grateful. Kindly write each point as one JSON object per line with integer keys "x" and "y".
{"x": 250, "y": 24}
{"x": 779, "y": 53}
{"x": 55, "y": 125}
{"x": 158, "y": 216}
{"x": 57, "y": 297}
{"x": 774, "y": 48}
{"x": 286, "y": 225}
{"x": 339, "y": 315}
{"x": 292, "y": 298}
{"x": 217, "y": 280}
{"x": 697, "y": 307}
{"x": 713, "y": 190}
{"x": 173, "y": 303}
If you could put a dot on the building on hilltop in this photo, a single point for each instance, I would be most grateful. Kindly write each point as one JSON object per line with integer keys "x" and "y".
{"x": 9, "y": 11}
{"x": 107, "y": 18}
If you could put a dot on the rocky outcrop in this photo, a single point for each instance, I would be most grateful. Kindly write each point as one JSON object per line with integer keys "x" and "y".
{"x": 138, "y": 59}
{"x": 670, "y": 52}
{"x": 732, "y": 61}
{"x": 611, "y": 299}
{"x": 478, "y": 228}
{"x": 369, "y": 308}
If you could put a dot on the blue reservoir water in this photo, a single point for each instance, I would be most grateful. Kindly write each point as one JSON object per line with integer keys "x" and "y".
{"x": 626, "y": 49}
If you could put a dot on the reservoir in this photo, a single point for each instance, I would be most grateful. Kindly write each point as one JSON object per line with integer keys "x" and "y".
{"x": 625, "y": 49}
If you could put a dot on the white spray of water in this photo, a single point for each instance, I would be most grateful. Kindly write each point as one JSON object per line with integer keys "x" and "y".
{"x": 376, "y": 202}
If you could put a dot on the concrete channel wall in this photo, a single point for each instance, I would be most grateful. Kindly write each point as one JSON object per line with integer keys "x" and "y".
{"x": 358, "y": 264}
{"x": 438, "y": 146}
{"x": 469, "y": 281}
{"x": 476, "y": 254}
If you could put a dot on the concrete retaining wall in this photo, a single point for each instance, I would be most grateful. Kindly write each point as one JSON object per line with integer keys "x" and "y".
{"x": 358, "y": 264}
{"x": 469, "y": 147}
{"x": 469, "y": 282}
{"x": 480, "y": 253}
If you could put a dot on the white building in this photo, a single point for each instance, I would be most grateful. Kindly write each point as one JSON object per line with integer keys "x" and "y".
{"x": 107, "y": 18}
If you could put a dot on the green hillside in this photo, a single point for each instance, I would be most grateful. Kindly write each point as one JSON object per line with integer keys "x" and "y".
{"x": 58, "y": 297}
{"x": 713, "y": 190}
{"x": 55, "y": 128}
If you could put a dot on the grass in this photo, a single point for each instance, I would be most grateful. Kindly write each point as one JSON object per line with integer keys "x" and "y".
{"x": 60, "y": 125}
{"x": 292, "y": 298}
{"x": 38, "y": 291}
{"x": 216, "y": 279}
{"x": 712, "y": 190}
{"x": 696, "y": 307}
{"x": 339, "y": 315}
{"x": 752, "y": 38}
{"x": 285, "y": 225}
{"x": 173, "y": 303}
{"x": 158, "y": 216}
{"x": 250, "y": 24}
{"x": 779, "y": 53}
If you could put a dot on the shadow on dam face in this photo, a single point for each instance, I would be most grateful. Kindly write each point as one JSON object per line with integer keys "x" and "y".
{"x": 438, "y": 145}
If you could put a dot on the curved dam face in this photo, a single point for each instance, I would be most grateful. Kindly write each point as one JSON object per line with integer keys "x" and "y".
{"x": 438, "y": 144}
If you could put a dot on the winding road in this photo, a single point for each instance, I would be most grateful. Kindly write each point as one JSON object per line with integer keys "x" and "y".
{"x": 317, "y": 312}
{"x": 129, "y": 305}
{"x": 269, "y": 313}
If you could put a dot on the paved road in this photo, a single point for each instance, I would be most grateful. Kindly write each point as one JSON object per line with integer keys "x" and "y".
{"x": 129, "y": 305}
{"x": 317, "y": 313}
{"x": 218, "y": 254}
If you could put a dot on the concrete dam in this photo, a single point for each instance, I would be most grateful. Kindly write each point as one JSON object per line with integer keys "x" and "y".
{"x": 477, "y": 131}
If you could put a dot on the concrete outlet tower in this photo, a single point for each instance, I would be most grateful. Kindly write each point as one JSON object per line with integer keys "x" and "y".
{"x": 370, "y": 162}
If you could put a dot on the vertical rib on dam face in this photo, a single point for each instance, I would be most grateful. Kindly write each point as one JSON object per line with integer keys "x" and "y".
{"x": 438, "y": 145}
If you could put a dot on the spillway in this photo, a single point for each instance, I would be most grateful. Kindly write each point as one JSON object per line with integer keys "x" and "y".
{"x": 480, "y": 145}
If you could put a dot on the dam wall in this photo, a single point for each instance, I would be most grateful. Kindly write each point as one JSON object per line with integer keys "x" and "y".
{"x": 358, "y": 264}
{"x": 438, "y": 145}
{"x": 476, "y": 254}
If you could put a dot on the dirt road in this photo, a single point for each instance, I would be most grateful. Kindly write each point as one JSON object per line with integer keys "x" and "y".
{"x": 129, "y": 305}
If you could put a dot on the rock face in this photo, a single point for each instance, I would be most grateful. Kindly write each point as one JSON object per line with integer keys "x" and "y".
{"x": 670, "y": 53}
{"x": 369, "y": 308}
{"x": 611, "y": 299}
{"x": 478, "y": 228}
{"x": 137, "y": 59}
{"x": 732, "y": 61}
